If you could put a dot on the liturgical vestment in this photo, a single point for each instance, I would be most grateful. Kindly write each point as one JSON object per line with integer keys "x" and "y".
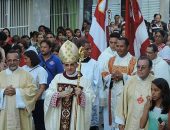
{"x": 68, "y": 115}
{"x": 131, "y": 105}
{"x": 15, "y": 111}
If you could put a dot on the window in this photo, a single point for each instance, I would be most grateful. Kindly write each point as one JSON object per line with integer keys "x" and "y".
{"x": 64, "y": 13}
{"x": 15, "y": 16}
{"x": 149, "y": 8}
{"x": 123, "y": 8}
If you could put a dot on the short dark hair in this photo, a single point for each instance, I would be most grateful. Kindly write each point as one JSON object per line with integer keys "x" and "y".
{"x": 145, "y": 58}
{"x": 154, "y": 47}
{"x": 115, "y": 34}
{"x": 33, "y": 57}
{"x": 50, "y": 33}
{"x": 83, "y": 42}
{"x": 126, "y": 41}
{"x": 17, "y": 47}
{"x": 16, "y": 39}
{"x": 34, "y": 33}
{"x": 63, "y": 33}
{"x": 13, "y": 51}
{"x": 25, "y": 36}
{"x": 47, "y": 42}
{"x": 163, "y": 33}
{"x": 156, "y": 15}
{"x": 3, "y": 36}
{"x": 41, "y": 26}
{"x": 69, "y": 29}
{"x": 46, "y": 29}
{"x": 116, "y": 16}
{"x": 75, "y": 30}
{"x": 56, "y": 48}
{"x": 61, "y": 29}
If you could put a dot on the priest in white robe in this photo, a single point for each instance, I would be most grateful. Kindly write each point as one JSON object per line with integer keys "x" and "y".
{"x": 90, "y": 70}
{"x": 165, "y": 54}
{"x": 68, "y": 100}
{"x": 17, "y": 96}
{"x": 110, "y": 51}
{"x": 117, "y": 71}
{"x": 160, "y": 67}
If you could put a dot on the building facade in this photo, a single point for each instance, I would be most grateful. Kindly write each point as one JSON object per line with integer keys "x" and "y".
{"x": 23, "y": 16}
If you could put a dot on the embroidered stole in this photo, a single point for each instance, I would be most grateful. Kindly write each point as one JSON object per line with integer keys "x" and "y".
{"x": 123, "y": 69}
{"x": 66, "y": 108}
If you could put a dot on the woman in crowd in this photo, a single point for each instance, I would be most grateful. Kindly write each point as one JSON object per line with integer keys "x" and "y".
{"x": 8, "y": 33}
{"x": 77, "y": 33}
{"x": 157, "y": 106}
{"x": 40, "y": 78}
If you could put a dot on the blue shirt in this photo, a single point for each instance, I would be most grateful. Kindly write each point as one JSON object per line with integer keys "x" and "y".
{"x": 53, "y": 66}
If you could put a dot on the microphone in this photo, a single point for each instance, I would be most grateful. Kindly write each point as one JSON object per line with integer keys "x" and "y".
{"x": 160, "y": 120}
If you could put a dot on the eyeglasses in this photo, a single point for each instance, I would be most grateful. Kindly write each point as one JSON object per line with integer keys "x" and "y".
{"x": 14, "y": 60}
{"x": 141, "y": 67}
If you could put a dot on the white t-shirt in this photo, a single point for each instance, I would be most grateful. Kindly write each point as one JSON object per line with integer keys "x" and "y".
{"x": 32, "y": 48}
{"x": 39, "y": 75}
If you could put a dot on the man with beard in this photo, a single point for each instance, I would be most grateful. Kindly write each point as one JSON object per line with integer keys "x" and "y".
{"x": 51, "y": 63}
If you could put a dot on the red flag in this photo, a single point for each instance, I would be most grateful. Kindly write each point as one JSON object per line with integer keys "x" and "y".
{"x": 135, "y": 29}
{"x": 97, "y": 36}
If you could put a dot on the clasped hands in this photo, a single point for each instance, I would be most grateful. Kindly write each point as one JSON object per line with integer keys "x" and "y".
{"x": 10, "y": 91}
{"x": 116, "y": 75}
{"x": 68, "y": 92}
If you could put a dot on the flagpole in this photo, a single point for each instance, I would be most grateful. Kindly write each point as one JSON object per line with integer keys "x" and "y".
{"x": 81, "y": 58}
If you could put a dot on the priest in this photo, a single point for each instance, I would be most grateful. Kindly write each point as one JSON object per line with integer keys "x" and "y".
{"x": 17, "y": 96}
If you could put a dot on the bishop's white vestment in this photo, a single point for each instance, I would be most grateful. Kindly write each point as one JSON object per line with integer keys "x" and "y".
{"x": 68, "y": 114}
{"x": 91, "y": 71}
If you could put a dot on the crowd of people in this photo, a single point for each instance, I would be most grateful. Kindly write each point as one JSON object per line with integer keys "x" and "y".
{"x": 50, "y": 82}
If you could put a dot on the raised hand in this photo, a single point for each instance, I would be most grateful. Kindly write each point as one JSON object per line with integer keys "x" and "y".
{"x": 161, "y": 126}
{"x": 148, "y": 103}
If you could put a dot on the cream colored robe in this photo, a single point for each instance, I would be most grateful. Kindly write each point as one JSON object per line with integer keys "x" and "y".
{"x": 131, "y": 104}
{"x": 52, "y": 115}
{"x": 12, "y": 118}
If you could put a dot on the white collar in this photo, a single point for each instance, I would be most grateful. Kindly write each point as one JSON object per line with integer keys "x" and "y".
{"x": 72, "y": 75}
{"x": 142, "y": 79}
{"x": 9, "y": 72}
